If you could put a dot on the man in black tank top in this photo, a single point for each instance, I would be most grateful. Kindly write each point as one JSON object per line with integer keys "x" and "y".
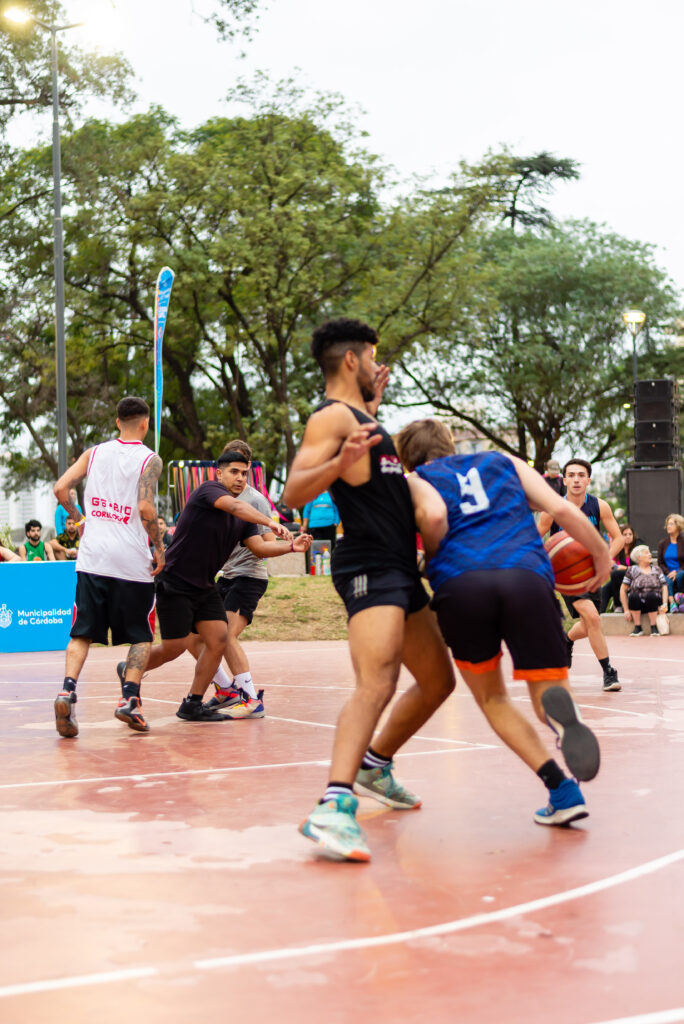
{"x": 347, "y": 452}
{"x": 585, "y": 607}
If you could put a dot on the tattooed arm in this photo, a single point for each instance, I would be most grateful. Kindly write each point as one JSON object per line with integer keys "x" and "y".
{"x": 69, "y": 481}
{"x": 148, "y": 513}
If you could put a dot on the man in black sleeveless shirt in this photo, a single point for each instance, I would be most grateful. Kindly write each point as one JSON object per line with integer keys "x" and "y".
{"x": 374, "y": 570}
{"x": 585, "y": 607}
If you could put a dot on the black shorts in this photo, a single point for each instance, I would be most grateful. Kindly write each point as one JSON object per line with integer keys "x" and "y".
{"x": 181, "y": 606}
{"x": 124, "y": 606}
{"x": 648, "y": 602}
{"x": 241, "y": 594}
{"x": 369, "y": 590}
{"x": 592, "y": 595}
{"x": 477, "y": 610}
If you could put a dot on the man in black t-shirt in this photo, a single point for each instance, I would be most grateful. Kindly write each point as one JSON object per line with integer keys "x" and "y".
{"x": 374, "y": 568}
{"x": 212, "y": 523}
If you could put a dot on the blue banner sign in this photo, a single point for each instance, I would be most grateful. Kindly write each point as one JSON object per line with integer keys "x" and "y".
{"x": 36, "y": 604}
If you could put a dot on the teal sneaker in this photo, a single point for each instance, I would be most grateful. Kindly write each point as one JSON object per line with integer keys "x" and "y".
{"x": 381, "y": 785}
{"x": 334, "y": 827}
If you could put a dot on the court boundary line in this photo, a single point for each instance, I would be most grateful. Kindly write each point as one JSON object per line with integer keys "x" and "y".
{"x": 651, "y": 1017}
{"x": 347, "y": 945}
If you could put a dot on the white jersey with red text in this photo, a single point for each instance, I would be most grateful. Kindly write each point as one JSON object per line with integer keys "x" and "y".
{"x": 114, "y": 541}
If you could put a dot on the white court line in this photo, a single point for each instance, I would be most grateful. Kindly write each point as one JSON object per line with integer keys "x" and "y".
{"x": 366, "y": 942}
{"x": 141, "y": 777}
{"x": 656, "y": 1017}
{"x": 630, "y": 657}
{"x": 606, "y": 707}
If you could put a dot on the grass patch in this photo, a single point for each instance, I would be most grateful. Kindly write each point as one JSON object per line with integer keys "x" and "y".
{"x": 299, "y": 608}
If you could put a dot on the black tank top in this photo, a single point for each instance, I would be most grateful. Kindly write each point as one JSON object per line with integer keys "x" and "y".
{"x": 377, "y": 517}
{"x": 592, "y": 511}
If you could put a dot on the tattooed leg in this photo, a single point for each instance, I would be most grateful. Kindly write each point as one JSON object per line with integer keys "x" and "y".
{"x": 136, "y": 662}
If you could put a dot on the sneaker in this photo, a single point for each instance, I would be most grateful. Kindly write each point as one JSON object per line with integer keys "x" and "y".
{"x": 223, "y": 698}
{"x": 246, "y": 707}
{"x": 129, "y": 710}
{"x": 566, "y": 804}
{"x": 195, "y": 711}
{"x": 655, "y": 631}
{"x": 121, "y": 673}
{"x": 610, "y": 680}
{"x": 637, "y": 631}
{"x": 381, "y": 784}
{"x": 334, "y": 827}
{"x": 570, "y": 644}
{"x": 65, "y": 715}
{"x": 576, "y": 741}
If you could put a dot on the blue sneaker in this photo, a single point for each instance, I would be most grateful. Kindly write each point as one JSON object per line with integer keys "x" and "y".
{"x": 381, "y": 785}
{"x": 334, "y": 827}
{"x": 566, "y": 804}
{"x": 577, "y": 742}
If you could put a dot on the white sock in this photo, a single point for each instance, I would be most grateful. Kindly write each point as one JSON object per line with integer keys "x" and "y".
{"x": 221, "y": 679}
{"x": 243, "y": 681}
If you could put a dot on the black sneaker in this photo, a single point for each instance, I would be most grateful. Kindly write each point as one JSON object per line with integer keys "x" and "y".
{"x": 570, "y": 644}
{"x": 65, "y": 715}
{"x": 129, "y": 710}
{"x": 610, "y": 680}
{"x": 121, "y": 673}
{"x": 195, "y": 711}
{"x": 577, "y": 742}
{"x": 637, "y": 631}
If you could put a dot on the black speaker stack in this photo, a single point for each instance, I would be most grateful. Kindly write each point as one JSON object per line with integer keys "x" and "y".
{"x": 654, "y": 484}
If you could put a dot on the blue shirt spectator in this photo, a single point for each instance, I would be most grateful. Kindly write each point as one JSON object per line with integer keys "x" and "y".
{"x": 61, "y": 514}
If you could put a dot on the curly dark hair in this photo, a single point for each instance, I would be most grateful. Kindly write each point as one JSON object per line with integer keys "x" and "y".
{"x": 332, "y": 339}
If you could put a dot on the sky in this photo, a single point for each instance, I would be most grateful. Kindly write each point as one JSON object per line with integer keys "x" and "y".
{"x": 443, "y": 80}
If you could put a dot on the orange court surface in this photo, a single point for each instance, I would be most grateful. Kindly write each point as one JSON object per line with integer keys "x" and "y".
{"x": 160, "y": 877}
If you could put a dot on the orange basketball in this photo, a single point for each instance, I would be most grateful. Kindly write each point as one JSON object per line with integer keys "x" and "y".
{"x": 571, "y": 562}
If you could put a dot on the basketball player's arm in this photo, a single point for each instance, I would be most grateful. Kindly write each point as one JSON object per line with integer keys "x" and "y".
{"x": 249, "y": 514}
{"x": 609, "y": 523}
{"x": 430, "y": 511}
{"x": 544, "y": 523}
{"x": 332, "y": 442}
{"x": 147, "y": 489}
{"x": 542, "y": 497}
{"x": 272, "y": 549}
{"x": 381, "y": 379}
{"x": 69, "y": 481}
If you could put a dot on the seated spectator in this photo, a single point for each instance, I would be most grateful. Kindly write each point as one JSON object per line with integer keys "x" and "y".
{"x": 671, "y": 553}
{"x": 643, "y": 589}
{"x": 320, "y": 519}
{"x": 34, "y": 549}
{"x": 8, "y": 556}
{"x": 621, "y": 563}
{"x": 167, "y": 535}
{"x": 61, "y": 513}
{"x": 553, "y": 477}
{"x": 65, "y": 546}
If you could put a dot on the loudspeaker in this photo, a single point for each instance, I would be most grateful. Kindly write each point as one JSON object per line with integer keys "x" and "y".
{"x": 656, "y": 400}
{"x": 652, "y": 496}
{"x": 656, "y": 423}
{"x": 656, "y": 453}
{"x": 656, "y": 430}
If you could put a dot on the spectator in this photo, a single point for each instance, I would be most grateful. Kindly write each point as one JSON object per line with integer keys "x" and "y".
{"x": 61, "y": 513}
{"x": 34, "y": 549}
{"x": 671, "y": 553}
{"x": 320, "y": 519}
{"x": 66, "y": 544}
{"x": 644, "y": 589}
{"x": 621, "y": 563}
{"x": 8, "y": 556}
{"x": 166, "y": 534}
{"x": 553, "y": 477}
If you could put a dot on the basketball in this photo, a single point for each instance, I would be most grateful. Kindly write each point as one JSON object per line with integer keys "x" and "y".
{"x": 571, "y": 562}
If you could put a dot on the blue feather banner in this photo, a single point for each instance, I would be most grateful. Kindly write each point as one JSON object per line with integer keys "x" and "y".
{"x": 162, "y": 297}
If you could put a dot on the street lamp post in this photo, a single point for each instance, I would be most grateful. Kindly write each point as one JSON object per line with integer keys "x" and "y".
{"x": 634, "y": 320}
{"x": 21, "y": 16}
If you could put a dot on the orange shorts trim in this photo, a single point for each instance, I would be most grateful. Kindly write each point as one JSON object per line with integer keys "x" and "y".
{"x": 480, "y": 667}
{"x": 540, "y": 675}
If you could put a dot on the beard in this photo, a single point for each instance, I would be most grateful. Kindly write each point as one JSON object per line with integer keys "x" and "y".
{"x": 367, "y": 388}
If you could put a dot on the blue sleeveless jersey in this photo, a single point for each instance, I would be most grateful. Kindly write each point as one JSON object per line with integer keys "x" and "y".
{"x": 490, "y": 522}
{"x": 591, "y": 509}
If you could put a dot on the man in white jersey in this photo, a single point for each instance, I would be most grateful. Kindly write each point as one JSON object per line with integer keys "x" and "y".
{"x": 114, "y": 570}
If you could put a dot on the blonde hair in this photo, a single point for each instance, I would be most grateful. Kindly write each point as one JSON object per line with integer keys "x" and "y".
{"x": 678, "y": 520}
{"x": 636, "y": 553}
{"x": 422, "y": 441}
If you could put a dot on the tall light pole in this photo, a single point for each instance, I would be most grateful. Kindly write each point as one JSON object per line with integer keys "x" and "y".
{"x": 634, "y": 320}
{"x": 21, "y": 16}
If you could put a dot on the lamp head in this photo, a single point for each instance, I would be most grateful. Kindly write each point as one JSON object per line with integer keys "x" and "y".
{"x": 634, "y": 319}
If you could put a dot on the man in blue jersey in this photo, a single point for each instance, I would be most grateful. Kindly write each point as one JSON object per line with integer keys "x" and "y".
{"x": 586, "y": 607}
{"x": 492, "y": 581}
{"x": 374, "y": 570}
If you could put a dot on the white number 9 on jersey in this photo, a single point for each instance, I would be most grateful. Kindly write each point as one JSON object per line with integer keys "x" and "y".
{"x": 472, "y": 489}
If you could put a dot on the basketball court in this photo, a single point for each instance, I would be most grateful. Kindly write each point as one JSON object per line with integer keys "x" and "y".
{"x": 161, "y": 878}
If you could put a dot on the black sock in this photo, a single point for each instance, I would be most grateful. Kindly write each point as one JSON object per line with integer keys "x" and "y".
{"x": 69, "y": 684}
{"x": 334, "y": 789}
{"x": 371, "y": 759}
{"x": 604, "y": 663}
{"x": 194, "y": 698}
{"x": 550, "y": 774}
{"x": 131, "y": 689}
